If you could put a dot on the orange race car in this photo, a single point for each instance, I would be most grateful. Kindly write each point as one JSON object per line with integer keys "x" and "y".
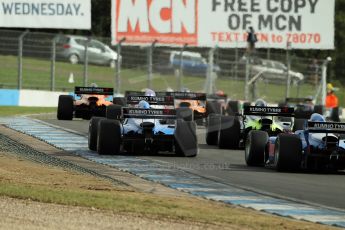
{"x": 86, "y": 102}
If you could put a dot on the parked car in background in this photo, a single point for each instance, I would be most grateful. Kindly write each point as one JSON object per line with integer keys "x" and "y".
{"x": 193, "y": 63}
{"x": 72, "y": 49}
{"x": 272, "y": 71}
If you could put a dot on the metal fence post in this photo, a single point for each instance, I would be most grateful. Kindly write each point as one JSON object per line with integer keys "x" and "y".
{"x": 150, "y": 65}
{"x": 86, "y": 60}
{"x": 118, "y": 67}
{"x": 236, "y": 63}
{"x": 324, "y": 80}
{"x": 246, "y": 86}
{"x": 52, "y": 65}
{"x": 180, "y": 77}
{"x": 209, "y": 77}
{"x": 288, "y": 76}
{"x": 20, "y": 59}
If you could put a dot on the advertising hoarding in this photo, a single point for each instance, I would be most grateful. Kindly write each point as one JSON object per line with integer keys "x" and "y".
{"x": 52, "y": 14}
{"x": 305, "y": 24}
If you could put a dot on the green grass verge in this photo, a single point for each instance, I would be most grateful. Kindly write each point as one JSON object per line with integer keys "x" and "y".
{"x": 17, "y": 110}
{"x": 149, "y": 205}
{"x": 36, "y": 75}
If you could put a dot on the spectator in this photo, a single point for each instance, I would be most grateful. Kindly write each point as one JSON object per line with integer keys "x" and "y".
{"x": 331, "y": 98}
{"x": 332, "y": 104}
{"x": 251, "y": 39}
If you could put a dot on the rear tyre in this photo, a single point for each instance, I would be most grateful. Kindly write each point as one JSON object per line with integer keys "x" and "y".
{"x": 213, "y": 107}
{"x": 229, "y": 132}
{"x": 288, "y": 152}
{"x": 186, "y": 143}
{"x": 212, "y": 129}
{"x": 65, "y": 107}
{"x": 109, "y": 137}
{"x": 114, "y": 112}
{"x": 184, "y": 113}
{"x": 299, "y": 124}
{"x": 233, "y": 108}
{"x": 255, "y": 147}
{"x": 93, "y": 132}
{"x": 119, "y": 101}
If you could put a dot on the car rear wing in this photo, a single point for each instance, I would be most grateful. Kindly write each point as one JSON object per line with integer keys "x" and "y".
{"x": 93, "y": 90}
{"x": 134, "y": 93}
{"x": 165, "y": 100}
{"x": 326, "y": 127}
{"x": 268, "y": 111}
{"x": 149, "y": 113}
{"x": 297, "y": 100}
{"x": 217, "y": 97}
{"x": 184, "y": 95}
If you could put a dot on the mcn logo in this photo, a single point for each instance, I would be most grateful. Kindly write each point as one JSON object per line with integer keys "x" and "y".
{"x": 167, "y": 21}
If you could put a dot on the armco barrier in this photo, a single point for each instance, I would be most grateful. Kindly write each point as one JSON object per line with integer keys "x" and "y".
{"x": 34, "y": 98}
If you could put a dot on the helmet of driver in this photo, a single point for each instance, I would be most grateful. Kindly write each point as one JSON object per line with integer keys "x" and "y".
{"x": 317, "y": 118}
{"x": 260, "y": 102}
{"x": 143, "y": 105}
{"x": 150, "y": 92}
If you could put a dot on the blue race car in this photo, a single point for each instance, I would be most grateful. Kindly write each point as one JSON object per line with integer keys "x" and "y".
{"x": 144, "y": 129}
{"x": 320, "y": 146}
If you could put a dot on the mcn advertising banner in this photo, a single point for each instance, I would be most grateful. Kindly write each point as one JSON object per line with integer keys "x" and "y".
{"x": 52, "y": 14}
{"x": 303, "y": 24}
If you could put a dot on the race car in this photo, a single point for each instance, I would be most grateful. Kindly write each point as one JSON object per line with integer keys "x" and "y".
{"x": 304, "y": 107}
{"x": 86, "y": 102}
{"x": 321, "y": 146}
{"x": 194, "y": 101}
{"x": 144, "y": 129}
{"x": 232, "y": 131}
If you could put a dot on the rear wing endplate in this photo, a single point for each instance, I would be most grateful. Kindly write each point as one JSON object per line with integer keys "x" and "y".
{"x": 326, "y": 127}
{"x": 268, "y": 111}
{"x": 94, "y": 90}
{"x": 149, "y": 113}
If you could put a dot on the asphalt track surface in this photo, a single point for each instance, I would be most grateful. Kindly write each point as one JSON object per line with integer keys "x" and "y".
{"x": 229, "y": 167}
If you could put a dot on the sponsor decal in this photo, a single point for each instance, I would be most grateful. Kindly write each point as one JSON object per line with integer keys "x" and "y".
{"x": 64, "y": 14}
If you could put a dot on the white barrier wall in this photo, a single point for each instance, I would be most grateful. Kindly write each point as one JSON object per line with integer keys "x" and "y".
{"x": 37, "y": 98}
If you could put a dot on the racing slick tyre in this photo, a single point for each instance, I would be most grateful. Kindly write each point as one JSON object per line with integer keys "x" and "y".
{"x": 287, "y": 152}
{"x": 93, "y": 131}
{"x": 233, "y": 108}
{"x": 119, "y": 101}
{"x": 186, "y": 143}
{"x": 247, "y": 103}
{"x": 229, "y": 132}
{"x": 114, "y": 112}
{"x": 212, "y": 129}
{"x": 65, "y": 107}
{"x": 255, "y": 147}
{"x": 109, "y": 137}
{"x": 318, "y": 109}
{"x": 334, "y": 116}
{"x": 213, "y": 107}
{"x": 184, "y": 113}
{"x": 299, "y": 124}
